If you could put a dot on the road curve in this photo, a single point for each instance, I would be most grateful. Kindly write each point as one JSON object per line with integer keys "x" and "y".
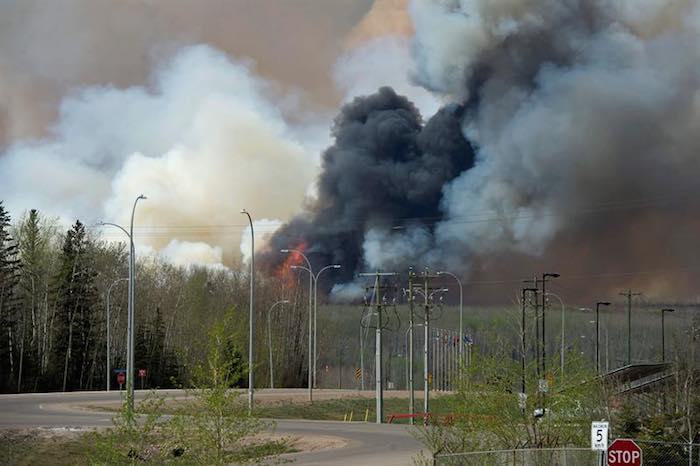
{"x": 365, "y": 444}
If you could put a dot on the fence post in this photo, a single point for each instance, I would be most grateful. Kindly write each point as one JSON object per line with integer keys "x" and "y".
{"x": 690, "y": 454}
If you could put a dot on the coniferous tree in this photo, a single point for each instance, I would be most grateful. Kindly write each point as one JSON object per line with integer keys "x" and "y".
{"x": 9, "y": 277}
{"x": 76, "y": 302}
{"x": 34, "y": 237}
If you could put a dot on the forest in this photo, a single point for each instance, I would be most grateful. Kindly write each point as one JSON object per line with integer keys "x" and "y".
{"x": 54, "y": 290}
{"x": 56, "y": 285}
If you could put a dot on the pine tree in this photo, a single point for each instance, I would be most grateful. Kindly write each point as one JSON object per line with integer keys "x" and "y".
{"x": 33, "y": 238}
{"x": 9, "y": 278}
{"x": 76, "y": 300}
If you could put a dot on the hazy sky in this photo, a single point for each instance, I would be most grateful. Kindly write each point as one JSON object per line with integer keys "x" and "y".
{"x": 48, "y": 48}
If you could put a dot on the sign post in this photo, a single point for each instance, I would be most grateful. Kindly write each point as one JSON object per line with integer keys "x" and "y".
{"x": 121, "y": 378}
{"x": 599, "y": 439}
{"x": 142, "y": 375}
{"x": 624, "y": 452}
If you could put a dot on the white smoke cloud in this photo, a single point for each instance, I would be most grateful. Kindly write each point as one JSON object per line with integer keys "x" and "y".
{"x": 572, "y": 111}
{"x": 185, "y": 253}
{"x": 347, "y": 292}
{"x": 203, "y": 140}
{"x": 388, "y": 250}
{"x": 264, "y": 228}
{"x": 385, "y": 61}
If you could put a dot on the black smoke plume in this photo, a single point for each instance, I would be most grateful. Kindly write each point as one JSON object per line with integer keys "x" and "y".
{"x": 386, "y": 170}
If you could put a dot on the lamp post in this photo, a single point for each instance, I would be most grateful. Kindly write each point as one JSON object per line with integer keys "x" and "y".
{"x": 563, "y": 313}
{"x": 545, "y": 276}
{"x": 663, "y": 333}
{"x": 269, "y": 337}
{"x": 109, "y": 358}
{"x": 597, "y": 333}
{"x": 251, "y": 314}
{"x": 311, "y": 285}
{"x": 131, "y": 308}
{"x": 461, "y": 322}
{"x": 332, "y": 266}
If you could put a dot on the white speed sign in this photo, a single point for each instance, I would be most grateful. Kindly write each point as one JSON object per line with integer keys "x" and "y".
{"x": 599, "y": 436}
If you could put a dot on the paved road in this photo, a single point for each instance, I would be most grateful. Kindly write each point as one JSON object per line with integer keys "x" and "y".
{"x": 366, "y": 444}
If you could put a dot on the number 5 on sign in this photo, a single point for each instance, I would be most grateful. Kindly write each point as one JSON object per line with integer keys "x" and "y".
{"x": 599, "y": 436}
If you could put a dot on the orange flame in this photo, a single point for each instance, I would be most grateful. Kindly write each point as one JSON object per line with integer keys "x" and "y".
{"x": 285, "y": 272}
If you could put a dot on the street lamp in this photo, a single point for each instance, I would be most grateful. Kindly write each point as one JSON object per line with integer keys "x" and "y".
{"x": 663, "y": 333}
{"x": 251, "y": 316}
{"x": 332, "y": 266}
{"x": 597, "y": 333}
{"x": 561, "y": 356}
{"x": 269, "y": 337}
{"x": 311, "y": 284}
{"x": 461, "y": 324}
{"x": 109, "y": 291}
{"x": 131, "y": 308}
{"x": 545, "y": 276}
{"x": 313, "y": 292}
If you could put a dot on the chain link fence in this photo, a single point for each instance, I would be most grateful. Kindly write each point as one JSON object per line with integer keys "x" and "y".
{"x": 653, "y": 454}
{"x": 669, "y": 453}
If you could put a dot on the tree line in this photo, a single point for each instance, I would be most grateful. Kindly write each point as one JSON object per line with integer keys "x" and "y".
{"x": 54, "y": 288}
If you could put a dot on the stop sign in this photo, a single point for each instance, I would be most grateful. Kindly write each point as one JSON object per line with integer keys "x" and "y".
{"x": 624, "y": 452}
{"x": 121, "y": 378}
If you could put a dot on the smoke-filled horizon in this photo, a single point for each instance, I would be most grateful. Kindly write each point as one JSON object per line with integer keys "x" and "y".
{"x": 502, "y": 139}
{"x": 583, "y": 117}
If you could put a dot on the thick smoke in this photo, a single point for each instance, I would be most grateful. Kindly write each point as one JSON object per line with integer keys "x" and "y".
{"x": 385, "y": 170}
{"x": 584, "y": 117}
{"x": 203, "y": 140}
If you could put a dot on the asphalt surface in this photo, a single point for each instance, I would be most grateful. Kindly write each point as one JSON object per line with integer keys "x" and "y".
{"x": 364, "y": 444}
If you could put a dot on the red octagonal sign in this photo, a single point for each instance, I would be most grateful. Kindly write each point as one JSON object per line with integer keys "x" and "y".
{"x": 624, "y": 452}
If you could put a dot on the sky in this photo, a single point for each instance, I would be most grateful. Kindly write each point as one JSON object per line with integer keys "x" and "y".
{"x": 501, "y": 137}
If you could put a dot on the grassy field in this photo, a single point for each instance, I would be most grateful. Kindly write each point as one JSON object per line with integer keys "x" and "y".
{"x": 24, "y": 448}
{"x": 339, "y": 410}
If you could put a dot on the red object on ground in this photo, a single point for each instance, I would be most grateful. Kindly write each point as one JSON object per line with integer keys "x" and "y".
{"x": 624, "y": 452}
{"x": 121, "y": 378}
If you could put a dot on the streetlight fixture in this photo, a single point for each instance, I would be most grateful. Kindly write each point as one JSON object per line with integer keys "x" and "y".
{"x": 109, "y": 347}
{"x": 269, "y": 338}
{"x": 563, "y": 313}
{"x": 332, "y": 266}
{"x": 663, "y": 333}
{"x": 461, "y": 322}
{"x": 311, "y": 284}
{"x": 251, "y": 316}
{"x": 131, "y": 308}
{"x": 597, "y": 333}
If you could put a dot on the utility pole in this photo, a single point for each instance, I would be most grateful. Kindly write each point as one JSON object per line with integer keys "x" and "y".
{"x": 523, "y": 342}
{"x": 629, "y": 294}
{"x": 545, "y": 276}
{"x": 379, "y": 383}
{"x": 536, "y": 302}
{"x": 427, "y": 293}
{"x": 411, "y": 391}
